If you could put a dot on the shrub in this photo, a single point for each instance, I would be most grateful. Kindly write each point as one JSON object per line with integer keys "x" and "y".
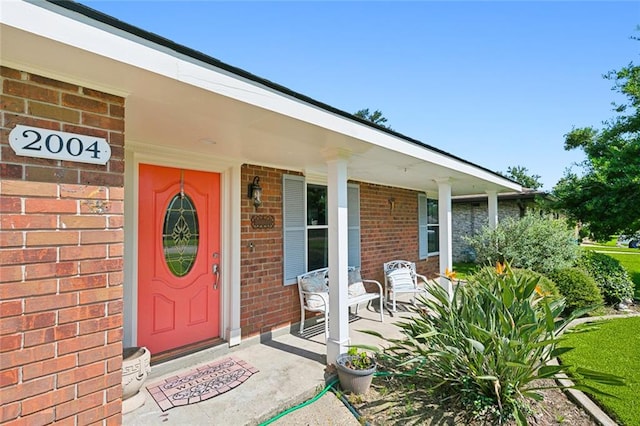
{"x": 610, "y": 276}
{"x": 482, "y": 349}
{"x": 578, "y": 288}
{"x": 532, "y": 242}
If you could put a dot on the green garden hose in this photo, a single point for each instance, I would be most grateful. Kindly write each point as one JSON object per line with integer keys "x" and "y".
{"x": 304, "y": 404}
{"x": 340, "y": 396}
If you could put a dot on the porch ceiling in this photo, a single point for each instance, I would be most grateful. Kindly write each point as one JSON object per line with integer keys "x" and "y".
{"x": 178, "y": 102}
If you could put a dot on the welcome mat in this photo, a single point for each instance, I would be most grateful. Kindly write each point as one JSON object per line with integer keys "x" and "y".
{"x": 201, "y": 384}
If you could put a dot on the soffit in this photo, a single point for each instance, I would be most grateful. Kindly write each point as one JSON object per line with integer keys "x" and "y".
{"x": 178, "y": 103}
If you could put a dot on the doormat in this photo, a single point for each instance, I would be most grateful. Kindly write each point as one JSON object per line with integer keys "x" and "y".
{"x": 201, "y": 384}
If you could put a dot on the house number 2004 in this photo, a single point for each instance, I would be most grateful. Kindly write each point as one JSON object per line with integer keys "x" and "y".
{"x": 43, "y": 143}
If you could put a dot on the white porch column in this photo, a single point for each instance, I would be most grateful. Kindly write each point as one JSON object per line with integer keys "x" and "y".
{"x": 445, "y": 240}
{"x": 231, "y": 273}
{"x": 338, "y": 255}
{"x": 493, "y": 208}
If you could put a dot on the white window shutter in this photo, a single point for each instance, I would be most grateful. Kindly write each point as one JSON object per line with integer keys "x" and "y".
{"x": 353, "y": 220}
{"x": 423, "y": 247}
{"x": 293, "y": 224}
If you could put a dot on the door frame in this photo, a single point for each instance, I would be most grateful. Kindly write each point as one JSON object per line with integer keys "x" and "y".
{"x": 230, "y": 213}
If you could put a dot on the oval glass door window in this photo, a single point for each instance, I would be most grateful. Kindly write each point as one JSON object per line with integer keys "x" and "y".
{"x": 180, "y": 235}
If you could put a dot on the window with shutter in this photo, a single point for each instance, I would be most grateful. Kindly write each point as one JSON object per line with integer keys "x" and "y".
{"x": 353, "y": 205}
{"x": 306, "y": 245}
{"x": 428, "y": 227}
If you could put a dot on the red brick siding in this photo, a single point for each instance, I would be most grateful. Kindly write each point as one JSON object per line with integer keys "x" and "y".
{"x": 387, "y": 234}
{"x": 38, "y": 101}
{"x": 266, "y": 304}
{"x": 61, "y": 261}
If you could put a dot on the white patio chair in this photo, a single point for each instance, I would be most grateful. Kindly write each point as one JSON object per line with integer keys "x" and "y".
{"x": 400, "y": 276}
{"x": 313, "y": 289}
{"x": 359, "y": 294}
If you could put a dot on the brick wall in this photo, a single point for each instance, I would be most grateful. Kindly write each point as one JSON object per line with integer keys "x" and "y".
{"x": 266, "y": 304}
{"x": 387, "y": 234}
{"x": 61, "y": 245}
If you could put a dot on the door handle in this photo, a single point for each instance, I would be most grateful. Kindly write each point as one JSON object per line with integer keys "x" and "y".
{"x": 215, "y": 269}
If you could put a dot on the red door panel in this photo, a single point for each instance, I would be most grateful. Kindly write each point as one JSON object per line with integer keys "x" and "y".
{"x": 178, "y": 296}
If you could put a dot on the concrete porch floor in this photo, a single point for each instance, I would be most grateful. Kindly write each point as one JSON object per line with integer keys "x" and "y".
{"x": 291, "y": 371}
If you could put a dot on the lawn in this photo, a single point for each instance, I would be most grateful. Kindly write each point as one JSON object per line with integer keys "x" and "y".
{"x": 628, "y": 258}
{"x": 611, "y": 347}
{"x": 463, "y": 270}
{"x": 611, "y": 249}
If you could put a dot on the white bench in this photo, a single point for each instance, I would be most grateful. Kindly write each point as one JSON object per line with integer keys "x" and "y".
{"x": 313, "y": 288}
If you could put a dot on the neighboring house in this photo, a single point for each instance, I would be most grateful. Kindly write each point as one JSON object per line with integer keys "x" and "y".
{"x": 127, "y": 213}
{"x": 470, "y": 213}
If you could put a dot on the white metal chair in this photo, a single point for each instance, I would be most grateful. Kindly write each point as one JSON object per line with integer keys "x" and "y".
{"x": 358, "y": 293}
{"x": 400, "y": 276}
{"x": 313, "y": 289}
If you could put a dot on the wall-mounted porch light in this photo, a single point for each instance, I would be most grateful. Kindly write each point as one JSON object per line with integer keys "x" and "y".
{"x": 255, "y": 192}
{"x": 392, "y": 204}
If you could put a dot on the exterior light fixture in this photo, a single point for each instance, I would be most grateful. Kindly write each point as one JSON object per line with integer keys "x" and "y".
{"x": 255, "y": 192}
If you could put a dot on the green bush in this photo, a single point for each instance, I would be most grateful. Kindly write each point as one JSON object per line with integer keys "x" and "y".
{"x": 612, "y": 279}
{"x": 533, "y": 242}
{"x": 577, "y": 287}
{"x": 483, "y": 349}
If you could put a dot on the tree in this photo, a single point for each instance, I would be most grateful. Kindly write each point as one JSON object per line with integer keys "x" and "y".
{"x": 375, "y": 117}
{"x": 606, "y": 197}
{"x": 521, "y": 175}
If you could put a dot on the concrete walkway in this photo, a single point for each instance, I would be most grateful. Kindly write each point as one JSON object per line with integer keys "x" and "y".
{"x": 291, "y": 371}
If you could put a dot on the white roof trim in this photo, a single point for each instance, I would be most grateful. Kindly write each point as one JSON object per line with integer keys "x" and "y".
{"x": 101, "y": 39}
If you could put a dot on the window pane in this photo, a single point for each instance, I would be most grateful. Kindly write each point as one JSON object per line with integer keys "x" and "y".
{"x": 316, "y": 205}
{"x": 433, "y": 239}
{"x": 432, "y": 212}
{"x": 318, "y": 249}
{"x": 180, "y": 235}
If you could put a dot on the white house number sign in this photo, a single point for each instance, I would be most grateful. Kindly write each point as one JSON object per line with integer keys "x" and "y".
{"x": 43, "y": 143}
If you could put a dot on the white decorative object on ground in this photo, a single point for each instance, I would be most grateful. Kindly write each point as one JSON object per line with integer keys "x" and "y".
{"x": 136, "y": 366}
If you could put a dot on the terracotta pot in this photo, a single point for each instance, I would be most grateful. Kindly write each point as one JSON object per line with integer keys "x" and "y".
{"x": 355, "y": 381}
{"x": 135, "y": 369}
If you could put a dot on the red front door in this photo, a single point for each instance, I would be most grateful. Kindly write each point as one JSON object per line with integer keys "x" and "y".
{"x": 178, "y": 257}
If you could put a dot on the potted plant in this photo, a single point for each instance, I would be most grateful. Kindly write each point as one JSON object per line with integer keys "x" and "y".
{"x": 355, "y": 370}
{"x": 135, "y": 369}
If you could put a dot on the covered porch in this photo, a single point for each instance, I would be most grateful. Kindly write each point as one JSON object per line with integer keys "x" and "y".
{"x": 189, "y": 111}
{"x": 292, "y": 370}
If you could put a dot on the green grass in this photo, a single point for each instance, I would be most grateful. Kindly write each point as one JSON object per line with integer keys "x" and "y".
{"x": 613, "y": 242}
{"x": 463, "y": 270}
{"x": 612, "y": 347}
{"x": 611, "y": 249}
{"x": 628, "y": 258}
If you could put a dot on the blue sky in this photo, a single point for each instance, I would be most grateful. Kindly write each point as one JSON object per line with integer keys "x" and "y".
{"x": 496, "y": 83}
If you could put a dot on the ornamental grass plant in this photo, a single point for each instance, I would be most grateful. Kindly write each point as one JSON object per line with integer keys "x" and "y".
{"x": 484, "y": 349}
